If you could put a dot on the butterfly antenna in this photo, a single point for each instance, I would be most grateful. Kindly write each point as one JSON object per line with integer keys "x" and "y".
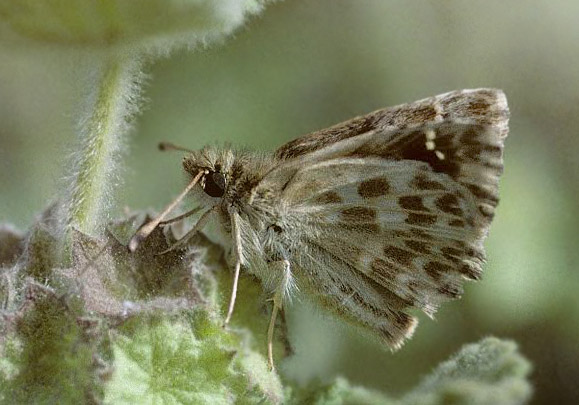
{"x": 146, "y": 229}
{"x": 165, "y": 146}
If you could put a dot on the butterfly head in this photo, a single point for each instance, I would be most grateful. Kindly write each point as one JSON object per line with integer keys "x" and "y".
{"x": 226, "y": 174}
{"x": 215, "y": 167}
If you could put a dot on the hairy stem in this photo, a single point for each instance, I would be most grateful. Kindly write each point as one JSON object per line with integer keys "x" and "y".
{"x": 104, "y": 125}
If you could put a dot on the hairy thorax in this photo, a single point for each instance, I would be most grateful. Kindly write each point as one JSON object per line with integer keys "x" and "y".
{"x": 261, "y": 212}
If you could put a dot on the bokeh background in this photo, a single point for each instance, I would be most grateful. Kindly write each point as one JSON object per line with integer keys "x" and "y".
{"x": 307, "y": 64}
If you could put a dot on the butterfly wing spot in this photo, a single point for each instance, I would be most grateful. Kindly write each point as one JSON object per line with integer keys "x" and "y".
{"x": 475, "y": 253}
{"x": 360, "y": 300}
{"x": 420, "y": 234}
{"x": 358, "y": 214}
{"x": 456, "y": 223}
{"x": 430, "y": 135}
{"x": 478, "y": 107}
{"x": 359, "y": 219}
{"x": 452, "y": 254}
{"x": 422, "y": 114}
{"x": 436, "y": 269}
{"x": 420, "y": 219}
{"x": 430, "y": 144}
{"x": 400, "y": 256}
{"x": 470, "y": 271}
{"x": 483, "y": 193}
{"x": 449, "y": 203}
{"x": 422, "y": 182}
{"x": 470, "y": 136}
{"x": 412, "y": 203}
{"x": 488, "y": 200}
{"x": 328, "y": 197}
{"x": 476, "y": 152}
{"x": 375, "y": 187}
{"x": 417, "y": 246}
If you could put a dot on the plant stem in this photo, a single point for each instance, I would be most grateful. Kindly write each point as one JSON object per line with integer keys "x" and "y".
{"x": 104, "y": 125}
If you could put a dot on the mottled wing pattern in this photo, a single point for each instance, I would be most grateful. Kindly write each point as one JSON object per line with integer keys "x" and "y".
{"x": 466, "y": 128}
{"x": 398, "y": 219}
{"x": 379, "y": 243}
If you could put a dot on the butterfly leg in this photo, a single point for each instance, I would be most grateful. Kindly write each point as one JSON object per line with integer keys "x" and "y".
{"x": 277, "y": 305}
{"x": 233, "y": 292}
{"x": 196, "y": 228}
{"x": 180, "y": 217}
{"x": 237, "y": 251}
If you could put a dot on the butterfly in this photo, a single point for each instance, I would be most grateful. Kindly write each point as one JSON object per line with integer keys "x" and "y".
{"x": 370, "y": 218}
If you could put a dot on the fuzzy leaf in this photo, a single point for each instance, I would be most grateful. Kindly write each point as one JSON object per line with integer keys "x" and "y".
{"x": 340, "y": 392}
{"x": 144, "y": 25}
{"x": 126, "y": 327}
{"x": 115, "y": 282}
{"x": 489, "y": 372}
{"x": 52, "y": 355}
{"x": 186, "y": 360}
{"x": 142, "y": 327}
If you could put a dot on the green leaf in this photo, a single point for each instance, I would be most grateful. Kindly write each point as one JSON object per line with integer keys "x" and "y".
{"x": 53, "y": 362}
{"x": 489, "y": 372}
{"x": 140, "y": 327}
{"x": 187, "y": 360}
{"x": 133, "y": 26}
{"x": 340, "y": 392}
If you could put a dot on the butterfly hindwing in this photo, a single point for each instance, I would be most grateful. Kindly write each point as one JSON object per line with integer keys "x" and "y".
{"x": 373, "y": 233}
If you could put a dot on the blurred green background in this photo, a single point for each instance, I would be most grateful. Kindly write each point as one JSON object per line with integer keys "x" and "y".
{"x": 307, "y": 64}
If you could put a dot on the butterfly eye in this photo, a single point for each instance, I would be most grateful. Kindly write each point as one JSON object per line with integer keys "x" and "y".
{"x": 214, "y": 184}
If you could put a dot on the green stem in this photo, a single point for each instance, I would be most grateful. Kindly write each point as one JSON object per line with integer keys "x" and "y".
{"x": 103, "y": 128}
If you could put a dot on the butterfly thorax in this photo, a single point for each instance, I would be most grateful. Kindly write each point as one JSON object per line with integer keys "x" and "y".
{"x": 267, "y": 229}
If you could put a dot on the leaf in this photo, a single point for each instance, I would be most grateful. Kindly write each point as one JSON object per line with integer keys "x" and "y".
{"x": 340, "y": 392}
{"x": 489, "y": 372}
{"x": 129, "y": 27}
{"x": 124, "y": 327}
{"x": 187, "y": 360}
{"x": 78, "y": 334}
